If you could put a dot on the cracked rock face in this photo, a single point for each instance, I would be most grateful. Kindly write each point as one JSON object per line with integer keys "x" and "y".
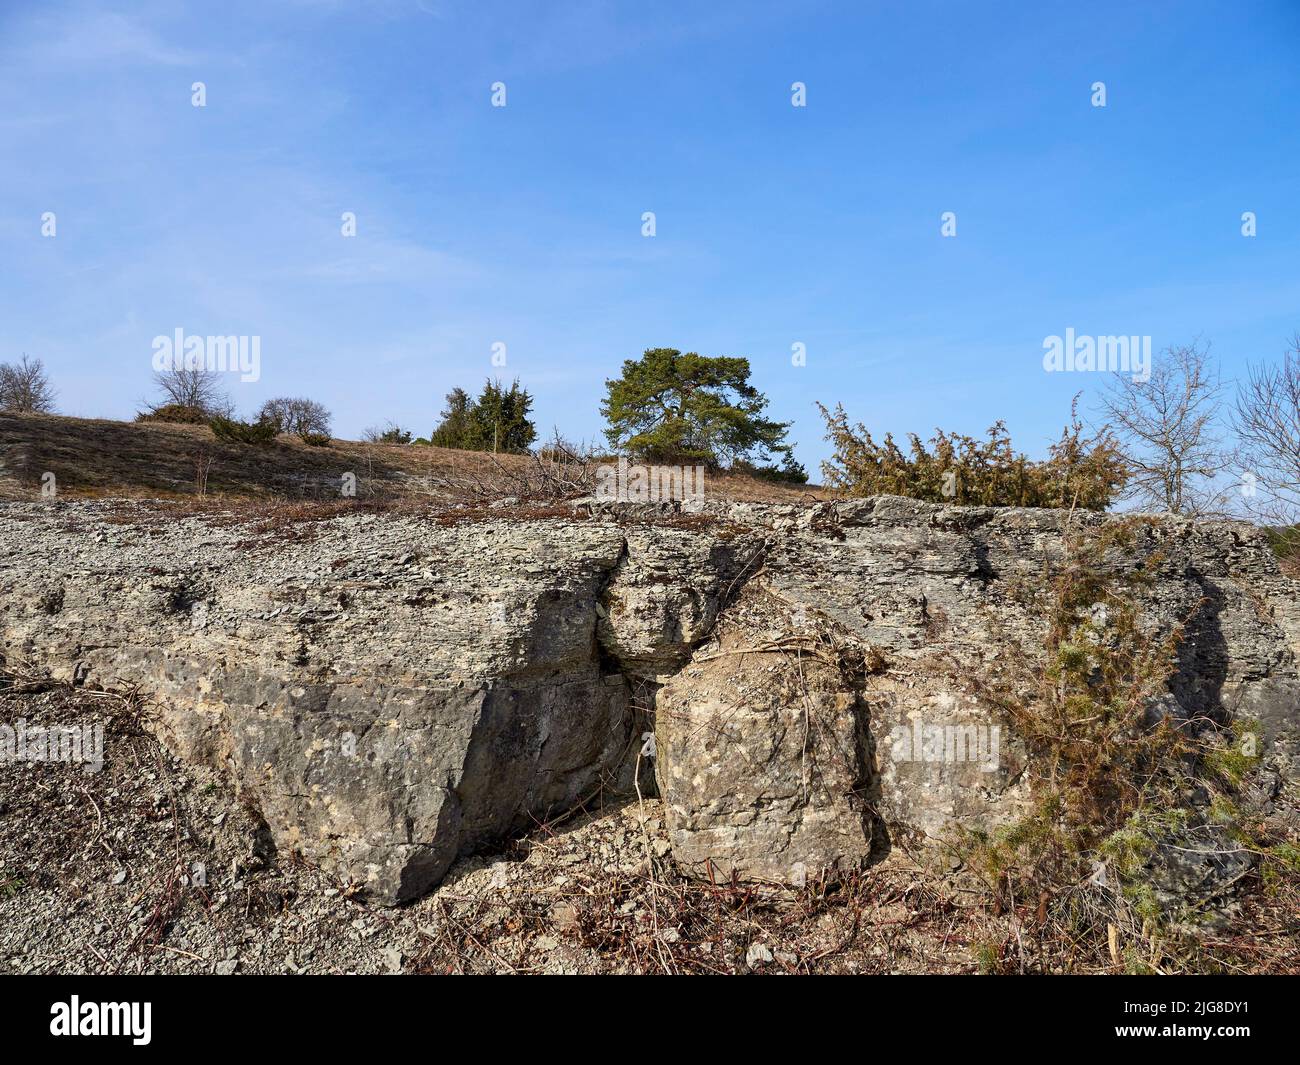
{"x": 388, "y": 693}
{"x": 939, "y": 594}
{"x": 391, "y": 692}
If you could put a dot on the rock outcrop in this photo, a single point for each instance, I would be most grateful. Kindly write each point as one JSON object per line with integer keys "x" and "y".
{"x": 394, "y": 691}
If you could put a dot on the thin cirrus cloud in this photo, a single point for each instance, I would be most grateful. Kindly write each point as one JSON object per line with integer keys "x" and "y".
{"x": 103, "y": 38}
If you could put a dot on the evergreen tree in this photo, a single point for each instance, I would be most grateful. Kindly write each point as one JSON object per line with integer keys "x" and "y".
{"x": 688, "y": 407}
{"x": 454, "y": 430}
{"x": 496, "y": 421}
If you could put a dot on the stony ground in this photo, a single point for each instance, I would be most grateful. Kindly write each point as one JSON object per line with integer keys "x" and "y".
{"x": 152, "y": 866}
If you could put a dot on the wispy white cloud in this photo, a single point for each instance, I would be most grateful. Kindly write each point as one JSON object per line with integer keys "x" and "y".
{"x": 386, "y": 261}
{"x": 102, "y": 37}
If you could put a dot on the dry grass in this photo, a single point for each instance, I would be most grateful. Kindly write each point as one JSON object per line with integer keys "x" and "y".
{"x": 97, "y": 458}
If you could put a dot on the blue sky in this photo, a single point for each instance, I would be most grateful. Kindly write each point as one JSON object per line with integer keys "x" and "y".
{"x": 522, "y": 225}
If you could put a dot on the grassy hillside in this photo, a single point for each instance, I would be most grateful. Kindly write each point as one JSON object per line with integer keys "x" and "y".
{"x": 100, "y": 458}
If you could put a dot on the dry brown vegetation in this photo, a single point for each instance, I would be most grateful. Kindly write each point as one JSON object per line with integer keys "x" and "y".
{"x": 93, "y": 458}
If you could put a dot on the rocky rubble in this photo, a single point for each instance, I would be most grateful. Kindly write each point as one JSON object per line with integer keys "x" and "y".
{"x": 392, "y": 691}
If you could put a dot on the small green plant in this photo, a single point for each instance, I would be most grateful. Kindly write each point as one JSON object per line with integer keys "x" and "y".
{"x": 1135, "y": 964}
{"x": 988, "y": 957}
{"x": 1231, "y": 762}
{"x": 1129, "y": 848}
{"x": 1280, "y": 866}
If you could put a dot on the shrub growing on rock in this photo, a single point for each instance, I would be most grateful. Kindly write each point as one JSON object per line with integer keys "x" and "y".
{"x": 1082, "y": 470}
{"x": 1135, "y": 824}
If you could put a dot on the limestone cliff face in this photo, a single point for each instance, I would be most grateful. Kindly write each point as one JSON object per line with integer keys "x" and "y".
{"x": 392, "y": 692}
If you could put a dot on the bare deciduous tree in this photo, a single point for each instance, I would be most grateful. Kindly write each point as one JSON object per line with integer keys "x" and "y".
{"x": 24, "y": 387}
{"x": 1266, "y": 419}
{"x": 203, "y": 460}
{"x": 1169, "y": 432}
{"x": 196, "y": 390}
{"x": 389, "y": 433}
{"x": 303, "y": 417}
